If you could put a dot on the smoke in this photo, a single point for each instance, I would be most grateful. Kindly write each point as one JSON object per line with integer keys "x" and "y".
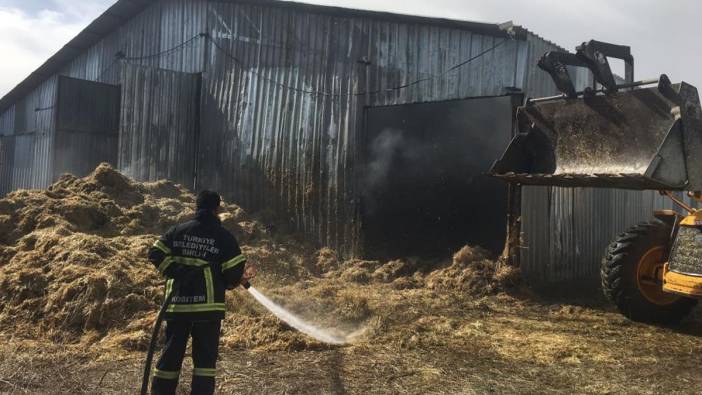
{"x": 389, "y": 153}
{"x": 390, "y": 149}
{"x": 385, "y": 146}
{"x": 130, "y": 170}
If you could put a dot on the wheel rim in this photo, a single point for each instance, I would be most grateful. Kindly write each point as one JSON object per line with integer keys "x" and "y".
{"x": 649, "y": 277}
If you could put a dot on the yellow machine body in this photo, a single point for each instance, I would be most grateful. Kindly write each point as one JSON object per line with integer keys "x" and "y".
{"x": 638, "y": 136}
{"x": 680, "y": 282}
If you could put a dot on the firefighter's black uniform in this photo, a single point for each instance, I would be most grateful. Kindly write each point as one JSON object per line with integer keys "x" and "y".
{"x": 201, "y": 260}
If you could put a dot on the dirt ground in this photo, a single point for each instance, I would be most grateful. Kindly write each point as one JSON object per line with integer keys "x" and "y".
{"x": 496, "y": 344}
{"x": 78, "y": 298}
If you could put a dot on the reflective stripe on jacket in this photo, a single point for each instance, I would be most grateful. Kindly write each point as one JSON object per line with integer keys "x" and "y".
{"x": 201, "y": 260}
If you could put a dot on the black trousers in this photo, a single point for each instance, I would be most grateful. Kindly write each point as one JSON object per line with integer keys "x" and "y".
{"x": 205, "y": 347}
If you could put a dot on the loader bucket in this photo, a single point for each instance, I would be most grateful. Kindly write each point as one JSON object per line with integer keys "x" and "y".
{"x": 646, "y": 138}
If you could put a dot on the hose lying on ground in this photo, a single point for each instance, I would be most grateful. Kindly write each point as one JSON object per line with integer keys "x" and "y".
{"x": 154, "y": 338}
{"x": 157, "y": 329}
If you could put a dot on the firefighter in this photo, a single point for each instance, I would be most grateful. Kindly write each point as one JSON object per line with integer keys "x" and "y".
{"x": 200, "y": 260}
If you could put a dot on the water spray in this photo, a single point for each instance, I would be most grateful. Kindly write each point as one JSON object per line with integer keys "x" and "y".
{"x": 295, "y": 321}
{"x": 275, "y": 309}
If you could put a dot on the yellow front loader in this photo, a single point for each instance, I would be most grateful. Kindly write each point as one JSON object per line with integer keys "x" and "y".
{"x": 638, "y": 135}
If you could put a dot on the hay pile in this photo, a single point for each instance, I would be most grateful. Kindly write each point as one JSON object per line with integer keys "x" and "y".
{"x": 472, "y": 270}
{"x": 73, "y": 268}
{"x": 73, "y": 264}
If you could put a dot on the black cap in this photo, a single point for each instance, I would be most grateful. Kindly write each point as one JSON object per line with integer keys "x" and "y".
{"x": 208, "y": 200}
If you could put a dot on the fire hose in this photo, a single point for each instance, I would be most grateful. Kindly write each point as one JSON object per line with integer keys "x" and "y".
{"x": 157, "y": 329}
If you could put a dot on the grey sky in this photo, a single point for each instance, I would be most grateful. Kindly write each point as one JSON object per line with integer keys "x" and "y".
{"x": 72, "y": 9}
{"x": 662, "y": 33}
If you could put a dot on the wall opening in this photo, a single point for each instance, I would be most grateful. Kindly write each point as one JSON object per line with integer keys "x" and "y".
{"x": 424, "y": 186}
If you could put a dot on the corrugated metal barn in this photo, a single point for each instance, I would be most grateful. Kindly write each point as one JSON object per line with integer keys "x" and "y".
{"x": 319, "y": 114}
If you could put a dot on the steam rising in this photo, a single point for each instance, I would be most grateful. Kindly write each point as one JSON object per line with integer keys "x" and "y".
{"x": 389, "y": 147}
{"x": 385, "y": 146}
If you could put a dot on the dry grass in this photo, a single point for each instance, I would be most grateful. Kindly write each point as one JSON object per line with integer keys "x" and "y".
{"x": 78, "y": 299}
{"x": 496, "y": 344}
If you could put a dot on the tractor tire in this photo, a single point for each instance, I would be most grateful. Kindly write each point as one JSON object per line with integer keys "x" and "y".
{"x": 635, "y": 295}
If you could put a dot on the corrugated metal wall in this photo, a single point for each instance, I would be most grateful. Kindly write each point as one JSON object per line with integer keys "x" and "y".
{"x": 87, "y": 126}
{"x": 87, "y": 106}
{"x": 25, "y": 160}
{"x": 148, "y": 39}
{"x": 7, "y": 152}
{"x": 35, "y": 114}
{"x": 80, "y": 153}
{"x": 297, "y": 151}
{"x": 269, "y": 146}
{"x": 158, "y": 138}
{"x": 7, "y": 122}
{"x": 28, "y": 129}
{"x": 566, "y": 231}
{"x": 7, "y": 149}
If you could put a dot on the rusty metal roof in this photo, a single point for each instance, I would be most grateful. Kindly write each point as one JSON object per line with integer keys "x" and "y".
{"x": 123, "y": 10}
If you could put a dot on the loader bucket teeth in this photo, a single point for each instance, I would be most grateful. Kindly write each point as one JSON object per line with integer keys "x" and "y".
{"x": 646, "y": 138}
